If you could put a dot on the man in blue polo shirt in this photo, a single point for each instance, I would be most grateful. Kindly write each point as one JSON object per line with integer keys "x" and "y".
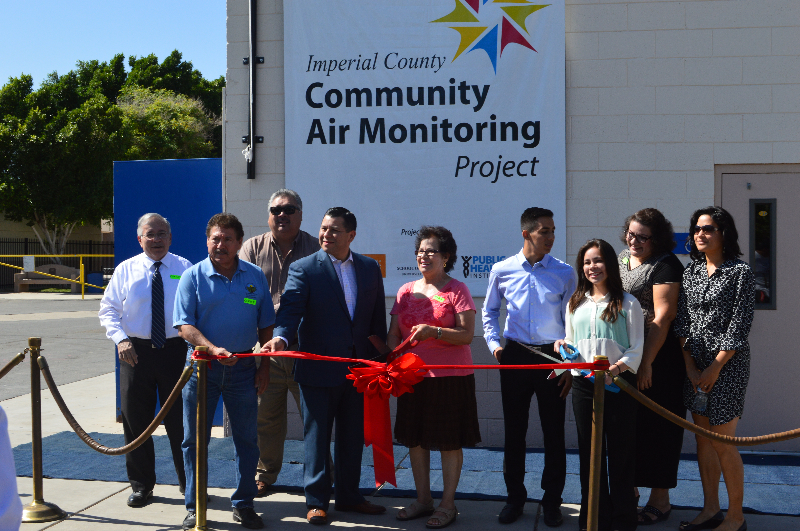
{"x": 224, "y": 303}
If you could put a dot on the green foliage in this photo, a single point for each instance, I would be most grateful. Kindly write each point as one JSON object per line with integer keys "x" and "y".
{"x": 163, "y": 125}
{"x": 58, "y": 143}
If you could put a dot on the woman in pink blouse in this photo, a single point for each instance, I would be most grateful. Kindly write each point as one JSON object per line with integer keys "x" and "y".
{"x": 441, "y": 414}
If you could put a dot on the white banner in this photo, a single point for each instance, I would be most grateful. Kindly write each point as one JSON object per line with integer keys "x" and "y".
{"x": 435, "y": 112}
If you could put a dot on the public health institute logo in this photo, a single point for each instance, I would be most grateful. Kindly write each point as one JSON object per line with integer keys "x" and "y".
{"x": 480, "y": 29}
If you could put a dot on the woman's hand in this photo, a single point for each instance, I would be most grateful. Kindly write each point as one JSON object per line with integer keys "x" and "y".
{"x": 421, "y": 332}
{"x": 708, "y": 377}
{"x": 644, "y": 376}
{"x": 558, "y": 343}
{"x": 693, "y": 373}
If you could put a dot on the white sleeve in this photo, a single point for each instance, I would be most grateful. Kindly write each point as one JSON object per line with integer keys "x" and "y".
{"x": 490, "y": 313}
{"x": 632, "y": 356}
{"x": 10, "y": 504}
{"x": 111, "y": 307}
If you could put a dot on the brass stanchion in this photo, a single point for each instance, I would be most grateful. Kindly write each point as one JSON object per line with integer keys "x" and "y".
{"x": 201, "y": 449}
{"x": 38, "y": 510}
{"x": 595, "y": 465}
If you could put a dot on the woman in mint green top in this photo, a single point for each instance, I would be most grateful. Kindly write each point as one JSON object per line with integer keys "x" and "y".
{"x": 603, "y": 320}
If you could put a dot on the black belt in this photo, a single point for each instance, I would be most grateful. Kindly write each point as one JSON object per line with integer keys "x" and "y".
{"x": 149, "y": 342}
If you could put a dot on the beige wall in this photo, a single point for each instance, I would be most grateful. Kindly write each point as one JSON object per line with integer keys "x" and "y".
{"x": 658, "y": 94}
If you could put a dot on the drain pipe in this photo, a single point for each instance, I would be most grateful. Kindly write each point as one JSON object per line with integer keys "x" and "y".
{"x": 251, "y": 139}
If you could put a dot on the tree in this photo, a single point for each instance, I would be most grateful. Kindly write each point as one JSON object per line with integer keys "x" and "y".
{"x": 58, "y": 143}
{"x": 57, "y": 170}
{"x": 161, "y": 124}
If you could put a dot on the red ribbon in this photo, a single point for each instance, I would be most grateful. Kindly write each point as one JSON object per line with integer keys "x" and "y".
{"x": 379, "y": 380}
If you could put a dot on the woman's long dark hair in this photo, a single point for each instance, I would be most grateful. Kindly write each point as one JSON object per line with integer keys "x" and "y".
{"x": 613, "y": 281}
{"x": 730, "y": 236}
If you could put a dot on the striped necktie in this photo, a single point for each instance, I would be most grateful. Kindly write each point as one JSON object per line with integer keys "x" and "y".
{"x": 158, "y": 335}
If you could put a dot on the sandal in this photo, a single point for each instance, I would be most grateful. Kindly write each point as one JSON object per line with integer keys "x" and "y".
{"x": 447, "y": 518}
{"x": 659, "y": 516}
{"x": 415, "y": 510}
{"x": 712, "y": 523}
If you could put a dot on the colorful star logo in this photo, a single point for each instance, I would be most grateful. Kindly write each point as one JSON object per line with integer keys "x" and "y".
{"x": 476, "y": 34}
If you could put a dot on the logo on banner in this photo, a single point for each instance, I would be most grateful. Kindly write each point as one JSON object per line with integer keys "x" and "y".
{"x": 483, "y": 27}
{"x": 480, "y": 266}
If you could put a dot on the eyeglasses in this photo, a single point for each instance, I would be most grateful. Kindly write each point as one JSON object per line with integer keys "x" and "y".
{"x": 641, "y": 238}
{"x": 708, "y": 229}
{"x": 156, "y": 235}
{"x": 429, "y": 253}
{"x": 278, "y": 210}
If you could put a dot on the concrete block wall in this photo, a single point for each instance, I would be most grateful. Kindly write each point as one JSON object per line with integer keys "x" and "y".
{"x": 659, "y": 92}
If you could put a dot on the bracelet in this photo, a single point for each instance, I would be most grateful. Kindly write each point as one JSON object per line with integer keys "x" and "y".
{"x": 438, "y": 333}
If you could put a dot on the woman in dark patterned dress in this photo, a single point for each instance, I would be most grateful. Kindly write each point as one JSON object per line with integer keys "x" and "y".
{"x": 715, "y": 311}
{"x": 652, "y": 273}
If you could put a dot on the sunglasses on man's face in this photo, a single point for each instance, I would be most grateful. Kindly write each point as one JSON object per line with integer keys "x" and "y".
{"x": 708, "y": 229}
{"x": 278, "y": 210}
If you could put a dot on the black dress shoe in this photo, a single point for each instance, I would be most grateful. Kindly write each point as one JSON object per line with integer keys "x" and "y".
{"x": 552, "y": 515}
{"x": 263, "y": 489}
{"x": 248, "y": 518}
{"x": 510, "y": 513}
{"x": 139, "y": 498}
{"x": 190, "y": 521}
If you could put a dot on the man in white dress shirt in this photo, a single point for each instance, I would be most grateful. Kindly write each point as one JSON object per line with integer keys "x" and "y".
{"x": 152, "y": 355}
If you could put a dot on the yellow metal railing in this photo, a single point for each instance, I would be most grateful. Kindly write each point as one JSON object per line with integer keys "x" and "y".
{"x": 80, "y": 256}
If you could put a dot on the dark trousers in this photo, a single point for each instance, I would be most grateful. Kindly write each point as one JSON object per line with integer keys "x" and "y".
{"x": 517, "y": 387}
{"x": 157, "y": 370}
{"x": 321, "y": 406}
{"x": 618, "y": 475}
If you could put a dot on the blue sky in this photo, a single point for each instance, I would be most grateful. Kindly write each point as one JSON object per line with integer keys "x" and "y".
{"x": 40, "y": 37}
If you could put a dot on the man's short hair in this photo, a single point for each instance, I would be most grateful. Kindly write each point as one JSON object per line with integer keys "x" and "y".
{"x": 285, "y": 192}
{"x": 530, "y": 218}
{"x": 348, "y": 217}
{"x": 147, "y": 217}
{"x": 224, "y": 220}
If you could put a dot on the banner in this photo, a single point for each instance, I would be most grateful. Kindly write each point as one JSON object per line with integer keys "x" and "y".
{"x": 436, "y": 112}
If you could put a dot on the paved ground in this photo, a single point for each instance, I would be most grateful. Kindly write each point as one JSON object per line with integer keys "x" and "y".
{"x": 72, "y": 337}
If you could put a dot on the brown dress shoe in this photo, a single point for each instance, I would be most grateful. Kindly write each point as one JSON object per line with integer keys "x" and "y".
{"x": 317, "y": 517}
{"x": 364, "y": 507}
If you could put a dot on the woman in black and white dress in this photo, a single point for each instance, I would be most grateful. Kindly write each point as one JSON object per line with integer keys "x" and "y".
{"x": 715, "y": 311}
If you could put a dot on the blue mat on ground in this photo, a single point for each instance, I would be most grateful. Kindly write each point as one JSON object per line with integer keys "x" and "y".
{"x": 772, "y": 482}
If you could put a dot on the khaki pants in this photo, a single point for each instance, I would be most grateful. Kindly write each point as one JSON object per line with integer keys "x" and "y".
{"x": 272, "y": 418}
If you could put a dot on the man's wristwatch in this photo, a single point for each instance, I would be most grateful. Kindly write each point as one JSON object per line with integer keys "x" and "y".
{"x": 438, "y": 333}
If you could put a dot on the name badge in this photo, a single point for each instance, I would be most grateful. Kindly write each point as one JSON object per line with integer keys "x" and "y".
{"x": 175, "y": 277}
{"x": 438, "y": 298}
{"x": 249, "y": 301}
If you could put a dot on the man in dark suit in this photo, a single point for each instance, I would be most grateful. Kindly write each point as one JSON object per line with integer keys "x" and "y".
{"x": 333, "y": 301}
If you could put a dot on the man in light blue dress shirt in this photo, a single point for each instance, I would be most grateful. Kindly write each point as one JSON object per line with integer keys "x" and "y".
{"x": 537, "y": 288}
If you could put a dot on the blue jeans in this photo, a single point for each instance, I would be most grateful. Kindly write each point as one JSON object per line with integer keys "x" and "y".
{"x": 236, "y": 385}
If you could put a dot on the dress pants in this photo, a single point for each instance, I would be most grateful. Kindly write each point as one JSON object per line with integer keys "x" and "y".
{"x": 272, "y": 417}
{"x": 618, "y": 475}
{"x": 517, "y": 387}
{"x": 157, "y": 371}
{"x": 236, "y": 385}
{"x": 321, "y": 406}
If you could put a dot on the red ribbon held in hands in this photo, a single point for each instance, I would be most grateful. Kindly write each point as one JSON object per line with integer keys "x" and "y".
{"x": 379, "y": 380}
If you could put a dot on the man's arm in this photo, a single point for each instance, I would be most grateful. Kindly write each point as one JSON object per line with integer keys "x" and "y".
{"x": 192, "y": 335}
{"x": 111, "y": 319}
{"x": 290, "y": 313}
{"x": 491, "y": 315}
{"x": 378, "y": 324}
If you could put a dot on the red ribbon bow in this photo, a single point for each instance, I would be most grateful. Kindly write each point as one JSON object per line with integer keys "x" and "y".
{"x": 377, "y": 383}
